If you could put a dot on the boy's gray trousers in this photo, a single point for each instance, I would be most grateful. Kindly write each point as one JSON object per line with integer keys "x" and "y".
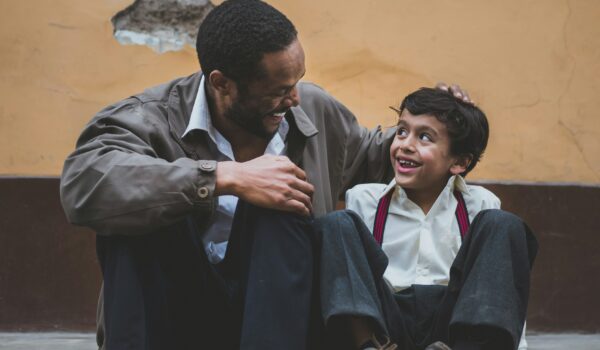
{"x": 484, "y": 303}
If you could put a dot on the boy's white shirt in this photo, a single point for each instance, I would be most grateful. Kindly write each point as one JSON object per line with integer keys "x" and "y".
{"x": 420, "y": 248}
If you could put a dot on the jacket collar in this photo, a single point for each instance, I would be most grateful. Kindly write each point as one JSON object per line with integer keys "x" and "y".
{"x": 181, "y": 102}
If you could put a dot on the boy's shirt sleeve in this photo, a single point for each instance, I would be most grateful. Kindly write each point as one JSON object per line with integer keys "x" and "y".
{"x": 363, "y": 199}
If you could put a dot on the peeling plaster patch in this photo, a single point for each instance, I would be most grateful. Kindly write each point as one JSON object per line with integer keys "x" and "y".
{"x": 163, "y": 25}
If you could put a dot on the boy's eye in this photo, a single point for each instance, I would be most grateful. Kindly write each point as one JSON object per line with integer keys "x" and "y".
{"x": 425, "y": 137}
{"x": 402, "y": 132}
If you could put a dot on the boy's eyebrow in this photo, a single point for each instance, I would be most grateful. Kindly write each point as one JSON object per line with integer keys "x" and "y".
{"x": 420, "y": 128}
{"x": 429, "y": 129}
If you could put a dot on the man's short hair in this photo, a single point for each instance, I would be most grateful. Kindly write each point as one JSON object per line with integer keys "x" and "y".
{"x": 467, "y": 125}
{"x": 235, "y": 35}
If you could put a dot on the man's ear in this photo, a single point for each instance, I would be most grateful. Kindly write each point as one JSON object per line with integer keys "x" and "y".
{"x": 461, "y": 164}
{"x": 221, "y": 83}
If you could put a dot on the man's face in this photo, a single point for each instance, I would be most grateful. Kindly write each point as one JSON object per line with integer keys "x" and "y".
{"x": 259, "y": 106}
{"x": 420, "y": 153}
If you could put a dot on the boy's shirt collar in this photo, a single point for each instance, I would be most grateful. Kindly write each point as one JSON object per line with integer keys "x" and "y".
{"x": 455, "y": 182}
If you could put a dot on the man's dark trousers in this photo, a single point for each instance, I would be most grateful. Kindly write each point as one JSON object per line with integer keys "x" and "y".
{"x": 161, "y": 292}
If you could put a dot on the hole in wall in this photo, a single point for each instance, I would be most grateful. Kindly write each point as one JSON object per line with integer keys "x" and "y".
{"x": 163, "y": 25}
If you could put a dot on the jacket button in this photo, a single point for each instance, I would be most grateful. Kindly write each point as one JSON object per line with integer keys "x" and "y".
{"x": 203, "y": 192}
{"x": 207, "y": 166}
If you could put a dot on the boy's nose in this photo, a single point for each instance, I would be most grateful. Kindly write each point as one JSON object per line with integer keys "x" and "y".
{"x": 408, "y": 145}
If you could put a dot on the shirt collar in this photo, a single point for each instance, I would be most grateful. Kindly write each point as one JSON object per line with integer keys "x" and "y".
{"x": 200, "y": 119}
{"x": 455, "y": 182}
{"x": 200, "y": 116}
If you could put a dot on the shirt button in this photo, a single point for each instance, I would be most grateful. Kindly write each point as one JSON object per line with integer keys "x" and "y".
{"x": 203, "y": 192}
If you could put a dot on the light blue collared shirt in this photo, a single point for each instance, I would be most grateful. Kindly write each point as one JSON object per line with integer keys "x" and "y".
{"x": 217, "y": 235}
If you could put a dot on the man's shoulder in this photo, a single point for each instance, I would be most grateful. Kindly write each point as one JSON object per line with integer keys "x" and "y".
{"x": 151, "y": 104}
{"x": 317, "y": 103}
{"x": 312, "y": 95}
{"x": 183, "y": 86}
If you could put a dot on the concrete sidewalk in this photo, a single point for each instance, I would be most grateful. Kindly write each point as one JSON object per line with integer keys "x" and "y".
{"x": 86, "y": 341}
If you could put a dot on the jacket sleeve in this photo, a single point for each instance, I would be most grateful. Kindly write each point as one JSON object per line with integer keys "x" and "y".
{"x": 367, "y": 158}
{"x": 116, "y": 183}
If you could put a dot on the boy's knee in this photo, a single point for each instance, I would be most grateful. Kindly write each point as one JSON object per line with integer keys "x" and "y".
{"x": 501, "y": 222}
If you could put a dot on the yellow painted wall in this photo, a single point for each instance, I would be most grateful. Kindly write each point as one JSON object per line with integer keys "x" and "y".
{"x": 532, "y": 65}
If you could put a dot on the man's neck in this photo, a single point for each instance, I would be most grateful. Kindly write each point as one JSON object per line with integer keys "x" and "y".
{"x": 245, "y": 145}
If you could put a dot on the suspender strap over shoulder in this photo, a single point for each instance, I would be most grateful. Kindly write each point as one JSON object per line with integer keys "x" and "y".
{"x": 381, "y": 216}
{"x": 462, "y": 215}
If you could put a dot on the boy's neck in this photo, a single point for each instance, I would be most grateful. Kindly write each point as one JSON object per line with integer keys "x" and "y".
{"x": 426, "y": 197}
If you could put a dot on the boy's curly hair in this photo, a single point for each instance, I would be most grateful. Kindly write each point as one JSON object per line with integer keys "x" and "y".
{"x": 467, "y": 125}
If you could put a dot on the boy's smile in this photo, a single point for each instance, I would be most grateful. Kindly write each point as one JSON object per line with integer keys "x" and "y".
{"x": 421, "y": 157}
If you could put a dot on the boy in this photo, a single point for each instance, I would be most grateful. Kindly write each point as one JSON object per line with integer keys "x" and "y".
{"x": 458, "y": 273}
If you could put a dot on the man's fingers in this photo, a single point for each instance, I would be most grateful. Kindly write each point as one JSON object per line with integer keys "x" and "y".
{"x": 301, "y": 197}
{"x": 299, "y": 173}
{"x": 297, "y": 207}
{"x": 303, "y": 187}
{"x": 441, "y": 86}
{"x": 456, "y": 91}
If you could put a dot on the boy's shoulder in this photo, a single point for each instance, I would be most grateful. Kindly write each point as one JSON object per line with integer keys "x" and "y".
{"x": 370, "y": 191}
{"x": 484, "y": 197}
{"x": 363, "y": 198}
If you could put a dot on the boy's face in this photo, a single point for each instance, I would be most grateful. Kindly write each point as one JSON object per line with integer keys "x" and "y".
{"x": 420, "y": 153}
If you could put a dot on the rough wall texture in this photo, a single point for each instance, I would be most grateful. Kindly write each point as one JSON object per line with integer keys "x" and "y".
{"x": 163, "y": 25}
{"x": 533, "y": 66}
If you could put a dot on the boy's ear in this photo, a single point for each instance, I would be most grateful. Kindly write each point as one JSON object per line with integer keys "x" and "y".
{"x": 461, "y": 164}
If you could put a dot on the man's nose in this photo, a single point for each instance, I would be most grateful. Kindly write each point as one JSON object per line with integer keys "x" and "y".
{"x": 293, "y": 97}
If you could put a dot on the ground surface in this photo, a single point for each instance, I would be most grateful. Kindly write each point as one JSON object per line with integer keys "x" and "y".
{"x": 86, "y": 341}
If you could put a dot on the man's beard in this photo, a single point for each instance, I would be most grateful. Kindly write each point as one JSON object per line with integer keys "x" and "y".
{"x": 250, "y": 121}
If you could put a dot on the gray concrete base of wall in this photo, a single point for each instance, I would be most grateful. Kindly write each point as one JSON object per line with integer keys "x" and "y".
{"x": 86, "y": 341}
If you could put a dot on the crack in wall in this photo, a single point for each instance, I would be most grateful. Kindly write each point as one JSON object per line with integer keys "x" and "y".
{"x": 571, "y": 132}
{"x": 163, "y": 25}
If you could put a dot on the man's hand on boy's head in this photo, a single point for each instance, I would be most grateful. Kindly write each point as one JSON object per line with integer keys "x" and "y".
{"x": 456, "y": 90}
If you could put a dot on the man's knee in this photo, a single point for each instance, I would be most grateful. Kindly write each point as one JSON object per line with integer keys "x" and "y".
{"x": 339, "y": 224}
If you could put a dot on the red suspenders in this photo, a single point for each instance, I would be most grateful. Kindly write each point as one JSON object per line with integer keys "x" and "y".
{"x": 384, "y": 205}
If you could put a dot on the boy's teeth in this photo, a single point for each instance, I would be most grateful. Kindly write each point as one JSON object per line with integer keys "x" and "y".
{"x": 408, "y": 163}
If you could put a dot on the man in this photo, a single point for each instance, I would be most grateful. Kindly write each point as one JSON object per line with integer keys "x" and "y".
{"x": 158, "y": 177}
